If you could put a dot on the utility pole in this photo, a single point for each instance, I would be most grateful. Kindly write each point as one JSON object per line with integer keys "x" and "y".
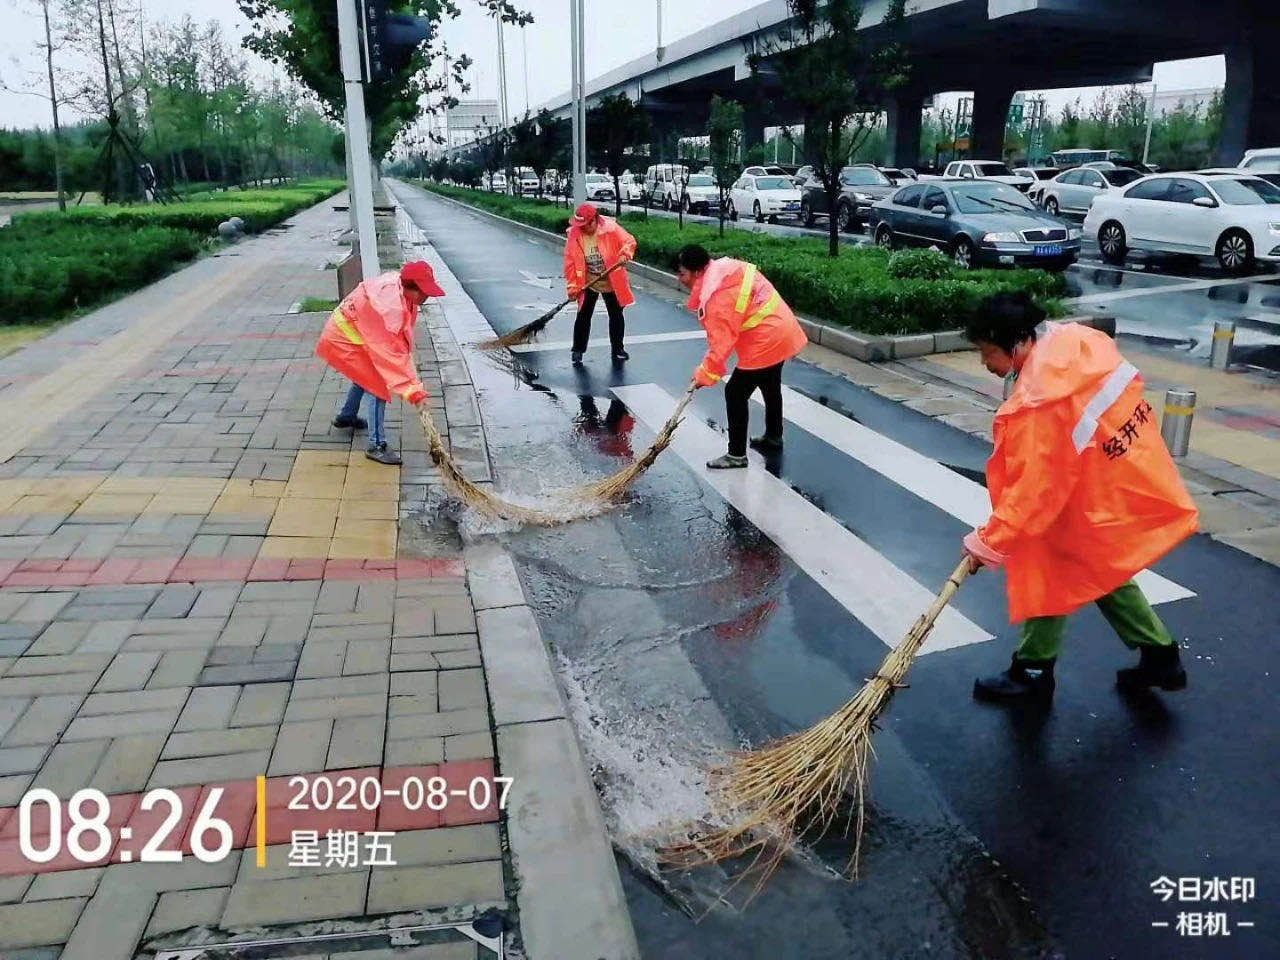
{"x": 660, "y": 51}
{"x": 579, "y": 101}
{"x": 524, "y": 60}
{"x": 502, "y": 76}
{"x": 359, "y": 168}
{"x": 1151, "y": 116}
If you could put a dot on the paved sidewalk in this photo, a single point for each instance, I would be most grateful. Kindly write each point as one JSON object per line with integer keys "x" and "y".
{"x": 202, "y": 582}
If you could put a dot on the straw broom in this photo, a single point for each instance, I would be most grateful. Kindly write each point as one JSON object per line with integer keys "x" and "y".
{"x": 531, "y": 329}
{"x": 589, "y": 496}
{"x": 793, "y": 788}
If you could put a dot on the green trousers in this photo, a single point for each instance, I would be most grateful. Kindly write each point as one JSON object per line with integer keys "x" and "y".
{"x": 1125, "y": 608}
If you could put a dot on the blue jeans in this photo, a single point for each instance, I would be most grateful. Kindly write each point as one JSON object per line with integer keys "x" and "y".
{"x": 377, "y": 412}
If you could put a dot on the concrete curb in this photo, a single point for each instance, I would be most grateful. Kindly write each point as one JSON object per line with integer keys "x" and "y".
{"x": 570, "y": 897}
{"x": 870, "y": 348}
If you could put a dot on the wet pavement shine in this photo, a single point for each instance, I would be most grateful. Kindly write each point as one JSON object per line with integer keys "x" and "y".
{"x": 682, "y": 629}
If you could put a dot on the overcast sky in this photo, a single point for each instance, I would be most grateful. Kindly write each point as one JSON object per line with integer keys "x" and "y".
{"x": 616, "y": 31}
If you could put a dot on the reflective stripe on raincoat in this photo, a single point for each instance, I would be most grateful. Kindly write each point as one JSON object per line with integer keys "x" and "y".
{"x": 742, "y": 313}
{"x": 369, "y": 338}
{"x": 614, "y": 244}
{"x": 1083, "y": 491}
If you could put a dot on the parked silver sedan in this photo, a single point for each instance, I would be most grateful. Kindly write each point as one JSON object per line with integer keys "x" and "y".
{"x": 1072, "y": 192}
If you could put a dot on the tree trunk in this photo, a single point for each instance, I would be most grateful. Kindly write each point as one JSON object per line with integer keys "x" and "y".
{"x": 117, "y": 168}
{"x": 833, "y": 226}
{"x": 617, "y": 196}
{"x": 53, "y": 102}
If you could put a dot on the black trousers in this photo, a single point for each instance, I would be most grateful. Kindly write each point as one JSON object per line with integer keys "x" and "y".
{"x": 582, "y": 326}
{"x": 737, "y": 395}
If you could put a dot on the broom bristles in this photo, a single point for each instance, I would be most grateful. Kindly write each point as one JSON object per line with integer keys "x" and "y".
{"x": 526, "y": 333}
{"x": 794, "y": 787}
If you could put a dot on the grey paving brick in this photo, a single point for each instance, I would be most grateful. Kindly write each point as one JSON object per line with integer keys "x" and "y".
{"x": 254, "y": 903}
{"x": 120, "y": 724}
{"x": 366, "y": 705}
{"x": 111, "y": 924}
{"x": 221, "y": 656}
{"x": 291, "y": 630}
{"x": 441, "y": 845}
{"x": 128, "y": 763}
{"x": 459, "y": 689}
{"x": 181, "y": 909}
{"x": 59, "y": 637}
{"x": 416, "y": 888}
{"x": 201, "y": 770}
{"x": 11, "y": 709}
{"x": 40, "y": 923}
{"x": 107, "y": 636}
{"x": 356, "y": 742}
{"x": 362, "y": 631}
{"x": 454, "y": 615}
{"x": 44, "y": 720}
{"x": 413, "y": 662}
{"x": 415, "y": 752}
{"x": 21, "y": 759}
{"x": 442, "y": 724}
{"x": 336, "y": 596}
{"x": 65, "y": 883}
{"x": 340, "y": 686}
{"x": 168, "y": 699}
{"x": 376, "y": 595}
{"x": 42, "y": 686}
{"x": 261, "y": 703}
{"x": 407, "y": 705}
{"x": 175, "y": 600}
{"x": 273, "y": 608}
{"x": 128, "y": 671}
{"x": 103, "y": 611}
{"x": 247, "y": 673}
{"x": 112, "y": 596}
{"x": 190, "y": 624}
{"x": 367, "y": 656}
{"x": 468, "y": 746}
{"x": 32, "y": 666}
{"x": 70, "y": 766}
{"x": 277, "y": 652}
{"x": 208, "y": 708}
{"x": 456, "y": 659}
{"x": 438, "y": 644}
{"x": 178, "y": 668}
{"x": 216, "y": 601}
{"x": 350, "y": 618}
{"x": 322, "y": 658}
{"x": 296, "y": 590}
{"x": 41, "y": 607}
{"x": 243, "y": 631}
{"x": 189, "y": 640}
{"x": 417, "y": 682}
{"x": 12, "y": 889}
{"x": 210, "y": 743}
{"x": 301, "y": 747}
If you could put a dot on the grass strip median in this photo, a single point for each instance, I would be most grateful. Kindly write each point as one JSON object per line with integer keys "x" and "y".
{"x": 865, "y": 288}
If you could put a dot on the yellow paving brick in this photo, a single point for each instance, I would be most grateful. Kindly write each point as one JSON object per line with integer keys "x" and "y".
{"x": 39, "y": 503}
{"x": 309, "y": 488}
{"x": 244, "y": 506}
{"x": 133, "y": 484}
{"x": 15, "y": 488}
{"x": 254, "y": 488}
{"x": 357, "y": 490}
{"x": 78, "y": 487}
{"x": 197, "y": 504}
{"x": 307, "y": 459}
{"x": 115, "y": 503}
{"x": 368, "y": 510}
{"x": 304, "y": 518}
{"x": 304, "y": 548}
{"x": 350, "y": 528}
{"x": 366, "y": 548}
{"x": 194, "y": 486}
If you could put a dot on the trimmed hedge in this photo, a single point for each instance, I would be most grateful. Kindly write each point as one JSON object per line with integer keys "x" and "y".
{"x": 52, "y": 262}
{"x": 858, "y": 289}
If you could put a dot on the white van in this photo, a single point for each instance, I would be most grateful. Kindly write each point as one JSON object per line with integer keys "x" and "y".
{"x": 664, "y": 184}
{"x": 524, "y": 181}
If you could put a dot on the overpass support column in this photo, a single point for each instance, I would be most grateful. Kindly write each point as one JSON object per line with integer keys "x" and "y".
{"x": 752, "y": 127}
{"x": 990, "y": 114}
{"x": 902, "y": 133}
{"x": 1251, "y": 98}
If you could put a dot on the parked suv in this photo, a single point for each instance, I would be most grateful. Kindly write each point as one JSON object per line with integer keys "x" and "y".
{"x": 986, "y": 170}
{"x": 663, "y": 183}
{"x": 860, "y": 187}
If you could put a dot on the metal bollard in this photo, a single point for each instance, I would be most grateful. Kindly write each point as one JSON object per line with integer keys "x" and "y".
{"x": 1224, "y": 332}
{"x": 1175, "y": 425}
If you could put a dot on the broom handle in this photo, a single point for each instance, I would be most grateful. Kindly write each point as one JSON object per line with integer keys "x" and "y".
{"x": 957, "y": 577}
{"x": 591, "y": 280}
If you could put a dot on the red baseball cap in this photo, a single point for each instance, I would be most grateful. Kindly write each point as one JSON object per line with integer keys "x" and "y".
{"x": 585, "y": 213}
{"x": 420, "y": 274}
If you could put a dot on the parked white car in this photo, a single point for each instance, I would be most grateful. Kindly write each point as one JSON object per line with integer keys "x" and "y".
{"x": 631, "y": 187}
{"x": 985, "y": 170}
{"x": 1230, "y": 216}
{"x": 701, "y": 195}
{"x": 662, "y": 184}
{"x": 1074, "y": 190}
{"x": 764, "y": 197}
{"x": 599, "y": 187}
{"x": 770, "y": 171}
{"x": 499, "y": 183}
{"x": 1264, "y": 163}
{"x": 525, "y": 181}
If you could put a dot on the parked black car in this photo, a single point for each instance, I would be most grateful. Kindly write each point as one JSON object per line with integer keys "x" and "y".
{"x": 977, "y": 223}
{"x": 860, "y": 187}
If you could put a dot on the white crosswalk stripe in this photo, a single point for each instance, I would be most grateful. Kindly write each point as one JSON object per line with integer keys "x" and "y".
{"x": 929, "y": 480}
{"x": 551, "y": 345}
{"x": 879, "y": 594}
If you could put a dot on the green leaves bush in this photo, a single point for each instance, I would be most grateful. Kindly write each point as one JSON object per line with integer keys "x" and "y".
{"x": 52, "y": 263}
{"x": 861, "y": 289}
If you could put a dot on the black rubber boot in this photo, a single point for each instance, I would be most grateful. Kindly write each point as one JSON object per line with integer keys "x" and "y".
{"x": 1157, "y": 667}
{"x": 1026, "y": 681}
{"x": 343, "y": 422}
{"x": 766, "y": 444}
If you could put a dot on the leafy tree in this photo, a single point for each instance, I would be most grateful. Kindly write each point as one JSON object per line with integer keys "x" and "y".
{"x": 838, "y": 81}
{"x": 614, "y": 125}
{"x": 725, "y": 132}
{"x": 552, "y": 138}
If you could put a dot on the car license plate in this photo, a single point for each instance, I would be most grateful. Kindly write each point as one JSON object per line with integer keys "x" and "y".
{"x": 1048, "y": 250}
{"x": 792, "y": 206}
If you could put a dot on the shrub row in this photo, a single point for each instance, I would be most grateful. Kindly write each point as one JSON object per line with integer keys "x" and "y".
{"x": 864, "y": 288}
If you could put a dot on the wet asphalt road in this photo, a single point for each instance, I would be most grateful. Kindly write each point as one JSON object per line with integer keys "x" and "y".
{"x": 678, "y": 624}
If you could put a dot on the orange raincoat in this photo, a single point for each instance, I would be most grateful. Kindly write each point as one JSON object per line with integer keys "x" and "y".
{"x": 369, "y": 339}
{"x": 1084, "y": 493}
{"x": 614, "y": 244}
{"x": 742, "y": 313}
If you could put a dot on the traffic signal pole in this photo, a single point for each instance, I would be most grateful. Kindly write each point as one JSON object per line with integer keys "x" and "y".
{"x": 579, "y": 102}
{"x": 359, "y": 168}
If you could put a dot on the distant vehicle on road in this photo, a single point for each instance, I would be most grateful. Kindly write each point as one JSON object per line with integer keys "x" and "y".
{"x": 1230, "y": 216}
{"x": 860, "y": 187}
{"x": 764, "y": 197}
{"x": 599, "y": 187}
{"x": 899, "y": 176}
{"x": 1074, "y": 190}
{"x": 498, "y": 183}
{"x": 524, "y": 181}
{"x": 631, "y": 186}
{"x": 803, "y": 176}
{"x": 701, "y": 195}
{"x": 662, "y": 184}
{"x": 1035, "y": 177}
{"x": 986, "y": 170}
{"x": 977, "y": 223}
{"x": 1264, "y": 163}
{"x": 1079, "y": 156}
{"x": 762, "y": 171}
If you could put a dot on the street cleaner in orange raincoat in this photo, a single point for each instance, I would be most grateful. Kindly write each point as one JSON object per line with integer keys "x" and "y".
{"x": 369, "y": 340}
{"x": 593, "y": 244}
{"x": 1084, "y": 495}
{"x": 743, "y": 314}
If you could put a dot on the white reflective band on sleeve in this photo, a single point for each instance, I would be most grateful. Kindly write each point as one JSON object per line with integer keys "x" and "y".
{"x": 1107, "y": 394}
